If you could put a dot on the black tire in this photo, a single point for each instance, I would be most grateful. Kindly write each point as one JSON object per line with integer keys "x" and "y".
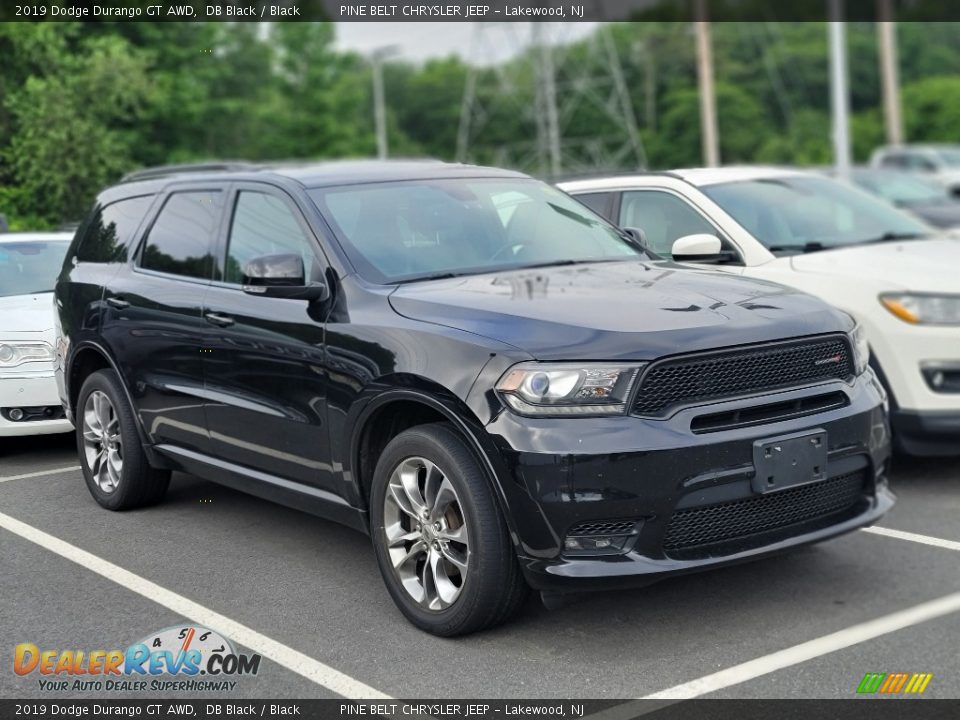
{"x": 138, "y": 484}
{"x": 492, "y": 587}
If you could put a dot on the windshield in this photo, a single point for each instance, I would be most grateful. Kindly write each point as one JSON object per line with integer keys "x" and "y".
{"x": 812, "y": 213}
{"x": 949, "y": 156}
{"x": 901, "y": 187}
{"x": 410, "y": 230}
{"x": 30, "y": 267}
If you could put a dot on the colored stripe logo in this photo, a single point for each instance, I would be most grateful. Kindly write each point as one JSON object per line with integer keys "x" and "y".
{"x": 894, "y": 683}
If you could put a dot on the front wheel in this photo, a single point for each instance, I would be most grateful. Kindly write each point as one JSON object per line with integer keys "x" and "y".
{"x": 112, "y": 459}
{"x": 441, "y": 542}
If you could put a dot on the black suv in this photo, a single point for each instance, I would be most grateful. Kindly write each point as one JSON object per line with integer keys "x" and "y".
{"x": 497, "y": 385}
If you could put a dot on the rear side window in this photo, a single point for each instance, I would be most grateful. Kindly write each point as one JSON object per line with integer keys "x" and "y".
{"x": 109, "y": 230}
{"x": 183, "y": 238}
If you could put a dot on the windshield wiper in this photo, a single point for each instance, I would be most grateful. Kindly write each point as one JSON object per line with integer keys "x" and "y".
{"x": 805, "y": 248}
{"x": 893, "y": 236}
{"x": 567, "y": 261}
{"x": 437, "y": 276}
{"x": 509, "y": 268}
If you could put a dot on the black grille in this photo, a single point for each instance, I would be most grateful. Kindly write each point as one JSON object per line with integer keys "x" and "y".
{"x": 738, "y": 372}
{"x": 604, "y": 527}
{"x": 741, "y": 518}
{"x": 772, "y": 412}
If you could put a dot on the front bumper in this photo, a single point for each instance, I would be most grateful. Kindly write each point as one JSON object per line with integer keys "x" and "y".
{"x": 562, "y": 473}
{"x": 903, "y": 352}
{"x": 29, "y": 389}
{"x": 931, "y": 433}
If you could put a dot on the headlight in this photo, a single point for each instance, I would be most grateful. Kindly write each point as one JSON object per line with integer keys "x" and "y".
{"x": 565, "y": 389}
{"x": 861, "y": 350}
{"x": 924, "y": 309}
{"x": 16, "y": 353}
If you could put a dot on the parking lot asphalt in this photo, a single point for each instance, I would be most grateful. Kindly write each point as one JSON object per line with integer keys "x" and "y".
{"x": 313, "y": 587}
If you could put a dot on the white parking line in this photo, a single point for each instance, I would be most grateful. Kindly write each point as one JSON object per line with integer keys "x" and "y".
{"x": 39, "y": 473}
{"x": 914, "y": 537}
{"x": 293, "y": 660}
{"x": 803, "y": 652}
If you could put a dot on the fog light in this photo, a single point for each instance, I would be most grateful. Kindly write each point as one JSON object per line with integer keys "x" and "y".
{"x": 16, "y": 414}
{"x": 942, "y": 377}
{"x": 601, "y": 537}
{"x": 592, "y": 544}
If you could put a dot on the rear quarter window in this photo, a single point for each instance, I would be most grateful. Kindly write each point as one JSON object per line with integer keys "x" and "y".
{"x": 109, "y": 230}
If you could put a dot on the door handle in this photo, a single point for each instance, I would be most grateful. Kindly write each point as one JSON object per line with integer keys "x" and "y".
{"x": 117, "y": 302}
{"x": 218, "y": 319}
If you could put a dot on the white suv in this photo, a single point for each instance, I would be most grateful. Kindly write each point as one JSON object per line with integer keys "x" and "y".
{"x": 29, "y": 401}
{"x": 939, "y": 162}
{"x": 894, "y": 274}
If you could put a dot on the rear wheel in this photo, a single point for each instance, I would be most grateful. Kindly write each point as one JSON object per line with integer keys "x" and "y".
{"x": 112, "y": 459}
{"x": 440, "y": 539}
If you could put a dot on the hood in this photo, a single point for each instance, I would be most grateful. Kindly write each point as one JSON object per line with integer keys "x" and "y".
{"x": 617, "y": 310}
{"x": 920, "y": 265}
{"x": 26, "y": 313}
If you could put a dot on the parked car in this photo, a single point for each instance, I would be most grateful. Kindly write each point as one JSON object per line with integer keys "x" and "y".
{"x": 29, "y": 402}
{"x": 497, "y": 385}
{"x": 919, "y": 195}
{"x": 940, "y": 162}
{"x": 890, "y": 271}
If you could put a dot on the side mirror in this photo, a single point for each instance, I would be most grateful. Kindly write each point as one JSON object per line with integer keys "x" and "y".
{"x": 637, "y": 235}
{"x": 700, "y": 247}
{"x": 281, "y": 276}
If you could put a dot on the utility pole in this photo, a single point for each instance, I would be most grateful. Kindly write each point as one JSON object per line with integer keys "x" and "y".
{"x": 548, "y": 121}
{"x": 379, "y": 104}
{"x": 643, "y": 53}
{"x": 561, "y": 82}
{"x": 839, "y": 92}
{"x": 650, "y": 91}
{"x": 623, "y": 96}
{"x": 889, "y": 75}
{"x": 466, "y": 114}
{"x": 708, "y": 103}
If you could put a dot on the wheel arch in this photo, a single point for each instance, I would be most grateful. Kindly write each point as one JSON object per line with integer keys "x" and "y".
{"x": 400, "y": 408}
{"x": 88, "y": 359}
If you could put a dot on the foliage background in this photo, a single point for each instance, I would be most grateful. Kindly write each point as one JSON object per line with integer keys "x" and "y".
{"x": 83, "y": 103}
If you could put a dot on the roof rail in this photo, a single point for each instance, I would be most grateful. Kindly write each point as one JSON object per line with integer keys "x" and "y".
{"x": 160, "y": 171}
{"x": 600, "y": 174}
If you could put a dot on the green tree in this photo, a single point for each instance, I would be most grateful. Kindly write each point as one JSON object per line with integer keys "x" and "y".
{"x": 741, "y": 122}
{"x": 76, "y": 126}
{"x": 932, "y": 109}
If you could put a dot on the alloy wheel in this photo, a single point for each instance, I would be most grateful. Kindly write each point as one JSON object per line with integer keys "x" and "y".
{"x": 102, "y": 444}
{"x": 426, "y": 533}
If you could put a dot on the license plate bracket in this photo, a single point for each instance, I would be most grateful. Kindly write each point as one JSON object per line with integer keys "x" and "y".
{"x": 789, "y": 460}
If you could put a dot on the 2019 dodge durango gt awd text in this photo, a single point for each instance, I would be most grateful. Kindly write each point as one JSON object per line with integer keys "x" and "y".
{"x": 497, "y": 385}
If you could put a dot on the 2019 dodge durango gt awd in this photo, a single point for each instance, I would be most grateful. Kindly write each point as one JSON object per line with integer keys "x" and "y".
{"x": 497, "y": 385}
